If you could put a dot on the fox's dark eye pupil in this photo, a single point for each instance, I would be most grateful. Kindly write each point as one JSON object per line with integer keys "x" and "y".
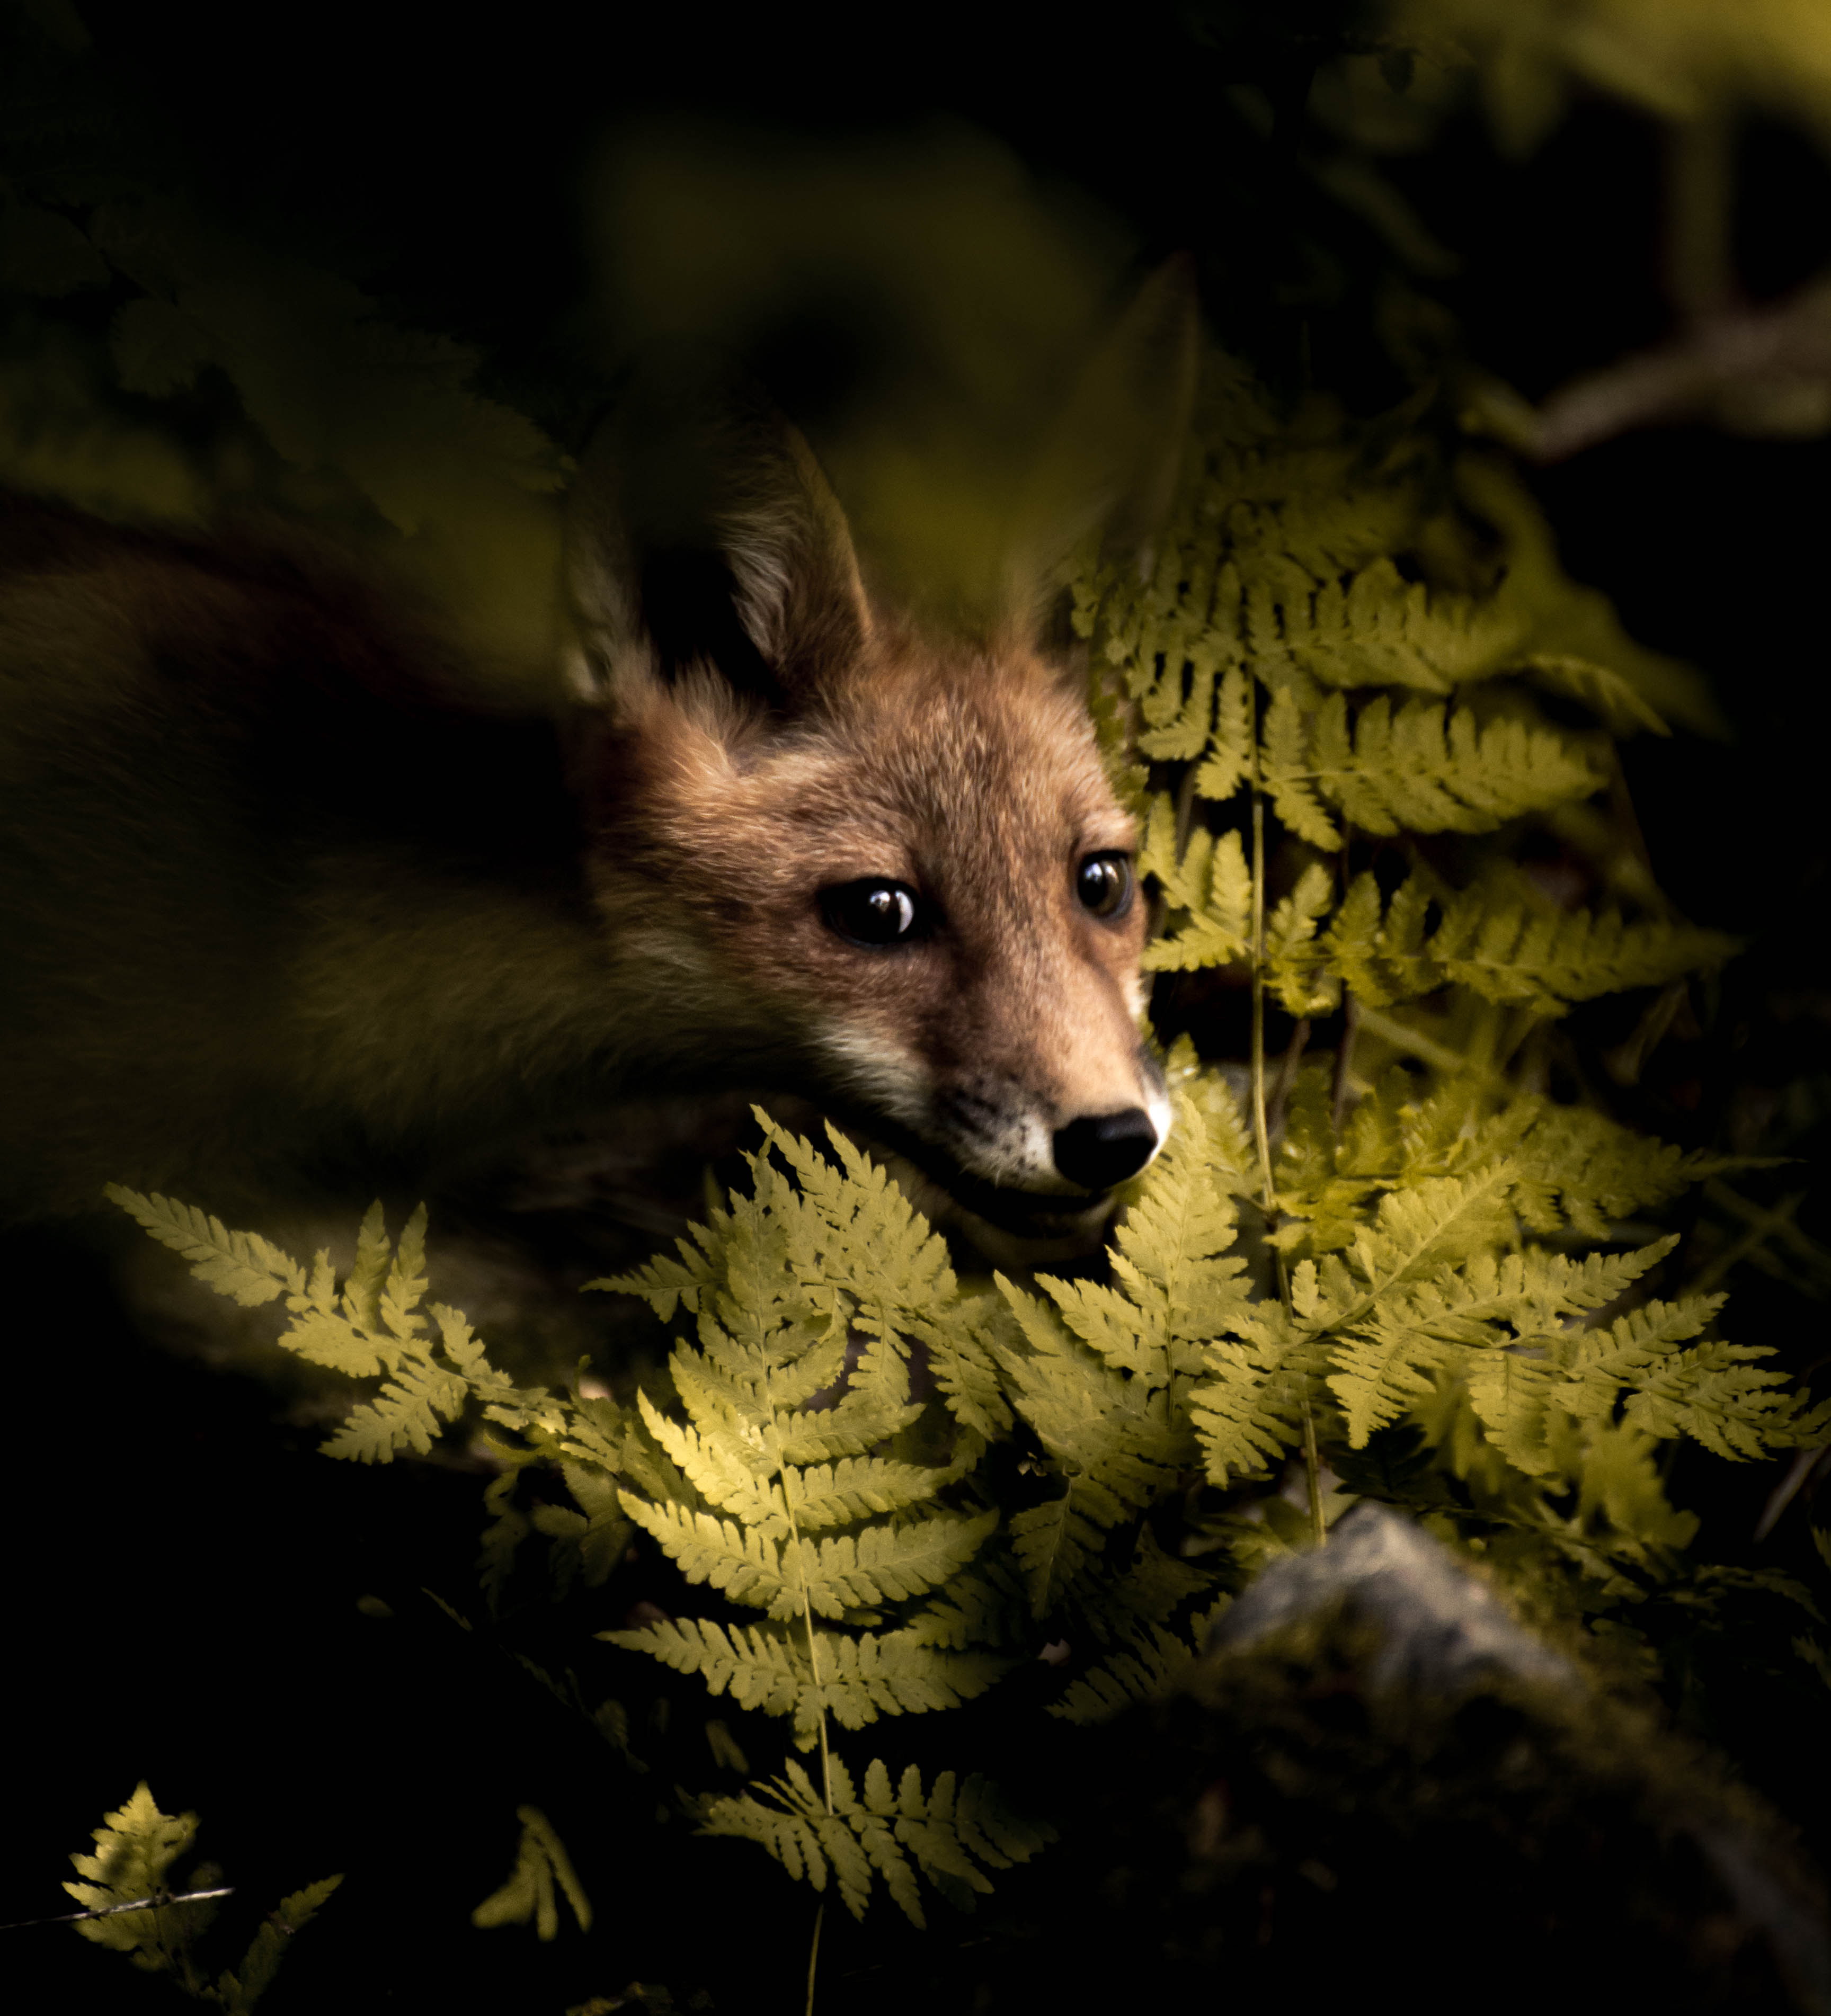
{"x": 870, "y": 913}
{"x": 1104, "y": 884}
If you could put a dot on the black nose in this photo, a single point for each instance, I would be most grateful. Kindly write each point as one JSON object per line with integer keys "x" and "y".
{"x": 1106, "y": 1148}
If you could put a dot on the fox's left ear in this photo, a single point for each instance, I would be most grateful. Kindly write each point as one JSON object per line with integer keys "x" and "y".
{"x": 703, "y": 542}
{"x": 1111, "y": 462}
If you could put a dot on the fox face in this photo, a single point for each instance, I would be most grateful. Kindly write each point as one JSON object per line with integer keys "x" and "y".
{"x": 896, "y": 846}
{"x": 286, "y": 913}
{"x": 925, "y": 883}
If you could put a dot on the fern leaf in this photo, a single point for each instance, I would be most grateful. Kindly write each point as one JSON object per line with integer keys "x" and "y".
{"x": 757, "y": 1665}
{"x": 135, "y": 1846}
{"x": 880, "y": 1564}
{"x": 242, "y": 1265}
{"x": 1293, "y": 964}
{"x": 239, "y": 1992}
{"x": 963, "y": 1361}
{"x": 891, "y": 1673}
{"x": 858, "y": 1487}
{"x": 1287, "y": 775}
{"x": 1613, "y": 1464}
{"x": 767, "y": 1667}
{"x": 1431, "y": 768}
{"x": 1248, "y": 1408}
{"x": 1134, "y": 1673}
{"x": 746, "y": 1566}
{"x": 1229, "y": 761}
{"x": 1500, "y": 941}
{"x": 542, "y": 1866}
{"x": 1210, "y": 883}
{"x": 947, "y": 1833}
{"x": 1612, "y": 698}
{"x": 404, "y": 1415}
{"x": 360, "y": 1304}
{"x": 982, "y": 1607}
{"x": 1715, "y": 1395}
{"x": 1054, "y": 1544}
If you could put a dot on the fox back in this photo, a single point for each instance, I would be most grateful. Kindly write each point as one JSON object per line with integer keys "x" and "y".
{"x": 284, "y": 903}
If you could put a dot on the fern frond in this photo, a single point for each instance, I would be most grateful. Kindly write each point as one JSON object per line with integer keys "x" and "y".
{"x": 1303, "y": 981}
{"x": 1054, "y": 1544}
{"x": 858, "y": 1488}
{"x": 1613, "y": 1465}
{"x": 405, "y": 1414}
{"x": 1431, "y": 768}
{"x": 542, "y": 1867}
{"x": 1611, "y": 698}
{"x": 759, "y": 1665}
{"x": 947, "y": 1833}
{"x": 249, "y": 1269}
{"x": 1179, "y": 1282}
{"x": 987, "y": 1605}
{"x": 135, "y": 1846}
{"x": 1476, "y": 1317}
{"x": 1229, "y": 761}
{"x": 1133, "y": 1674}
{"x": 1247, "y": 1410}
{"x": 1148, "y": 1591}
{"x": 893, "y": 1672}
{"x": 886, "y": 1563}
{"x": 1286, "y": 772}
{"x": 1501, "y": 941}
{"x": 767, "y": 1667}
{"x": 1716, "y": 1394}
{"x": 238, "y": 1993}
{"x": 1210, "y": 883}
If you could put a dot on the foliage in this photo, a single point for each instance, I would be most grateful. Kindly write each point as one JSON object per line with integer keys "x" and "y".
{"x": 136, "y": 1849}
{"x": 889, "y": 1830}
{"x": 1407, "y": 1271}
{"x": 540, "y": 1863}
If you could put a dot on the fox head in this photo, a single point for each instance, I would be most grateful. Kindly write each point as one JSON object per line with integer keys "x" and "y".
{"x": 881, "y": 856}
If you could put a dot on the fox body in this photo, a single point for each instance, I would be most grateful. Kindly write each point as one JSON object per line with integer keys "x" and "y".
{"x": 281, "y": 902}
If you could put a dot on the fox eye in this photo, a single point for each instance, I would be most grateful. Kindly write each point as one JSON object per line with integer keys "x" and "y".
{"x": 871, "y": 913}
{"x": 1104, "y": 884}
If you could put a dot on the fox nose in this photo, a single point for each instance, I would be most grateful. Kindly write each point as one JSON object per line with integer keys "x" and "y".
{"x": 1106, "y": 1148}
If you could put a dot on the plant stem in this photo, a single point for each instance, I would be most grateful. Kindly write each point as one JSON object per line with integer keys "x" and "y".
{"x": 1262, "y": 1131}
{"x": 813, "y": 1952}
{"x": 814, "y": 1668}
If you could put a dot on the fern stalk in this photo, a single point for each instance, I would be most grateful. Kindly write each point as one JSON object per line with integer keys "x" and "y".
{"x": 1262, "y": 1130}
{"x": 813, "y": 1664}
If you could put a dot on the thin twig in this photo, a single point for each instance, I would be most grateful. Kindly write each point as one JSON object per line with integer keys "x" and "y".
{"x": 114, "y": 1910}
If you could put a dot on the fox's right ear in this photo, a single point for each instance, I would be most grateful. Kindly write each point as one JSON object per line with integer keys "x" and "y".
{"x": 704, "y": 544}
{"x": 1111, "y": 462}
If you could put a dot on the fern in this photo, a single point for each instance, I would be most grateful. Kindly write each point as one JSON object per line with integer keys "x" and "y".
{"x": 543, "y": 1868}
{"x": 137, "y": 1847}
{"x": 1432, "y": 769}
{"x": 1141, "y": 1669}
{"x": 1209, "y": 883}
{"x": 950, "y": 1834}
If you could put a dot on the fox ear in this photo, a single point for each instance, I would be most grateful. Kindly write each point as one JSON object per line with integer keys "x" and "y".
{"x": 1111, "y": 462}
{"x": 702, "y": 540}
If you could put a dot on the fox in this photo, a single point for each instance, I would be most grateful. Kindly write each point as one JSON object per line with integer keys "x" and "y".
{"x": 287, "y": 899}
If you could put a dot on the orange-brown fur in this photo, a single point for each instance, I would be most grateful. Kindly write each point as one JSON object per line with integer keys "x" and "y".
{"x": 281, "y": 905}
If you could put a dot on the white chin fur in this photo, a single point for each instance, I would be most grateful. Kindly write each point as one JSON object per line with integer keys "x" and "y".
{"x": 1021, "y": 1155}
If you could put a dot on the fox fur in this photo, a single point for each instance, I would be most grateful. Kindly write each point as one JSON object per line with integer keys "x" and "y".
{"x": 283, "y": 903}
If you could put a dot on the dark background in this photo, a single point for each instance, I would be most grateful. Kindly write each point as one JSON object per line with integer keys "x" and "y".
{"x": 185, "y": 1569}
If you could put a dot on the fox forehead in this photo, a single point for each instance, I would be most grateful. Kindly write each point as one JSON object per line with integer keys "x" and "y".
{"x": 967, "y": 775}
